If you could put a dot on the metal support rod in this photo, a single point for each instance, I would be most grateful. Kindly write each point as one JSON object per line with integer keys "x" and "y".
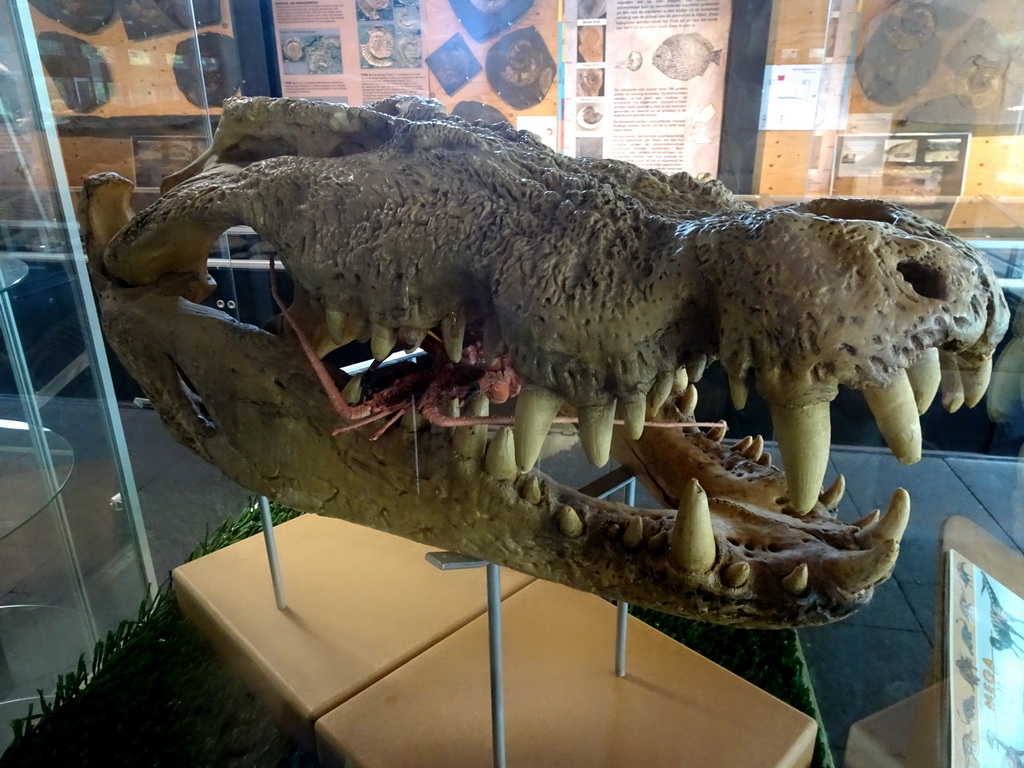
{"x": 275, "y": 564}
{"x": 494, "y": 645}
{"x": 620, "y": 638}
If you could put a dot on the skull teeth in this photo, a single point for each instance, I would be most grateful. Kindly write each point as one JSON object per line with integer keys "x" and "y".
{"x": 453, "y": 334}
{"x": 569, "y": 522}
{"x": 633, "y": 536}
{"x": 659, "y": 393}
{"x": 804, "y": 435}
{"x": 382, "y": 341}
{"x": 596, "y": 425}
{"x": 952, "y": 385}
{"x": 687, "y": 402}
{"x": 895, "y": 411}
{"x": 693, "y": 546}
{"x": 353, "y": 391}
{"x": 925, "y": 376}
{"x": 337, "y": 327}
{"x": 890, "y": 526}
{"x": 831, "y": 497}
{"x": 755, "y": 449}
{"x": 536, "y": 409}
{"x": 736, "y": 575}
{"x": 695, "y": 367}
{"x": 634, "y": 411}
{"x": 796, "y": 581}
{"x": 975, "y": 382}
{"x": 738, "y": 392}
{"x": 471, "y": 441}
{"x": 860, "y": 570}
{"x": 500, "y": 460}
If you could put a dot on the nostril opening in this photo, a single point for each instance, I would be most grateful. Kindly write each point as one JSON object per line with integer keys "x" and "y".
{"x": 925, "y": 280}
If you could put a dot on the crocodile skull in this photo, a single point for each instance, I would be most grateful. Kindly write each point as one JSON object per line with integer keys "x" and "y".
{"x": 606, "y": 289}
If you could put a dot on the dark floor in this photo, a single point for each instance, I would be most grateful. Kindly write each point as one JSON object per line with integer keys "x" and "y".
{"x": 858, "y": 666}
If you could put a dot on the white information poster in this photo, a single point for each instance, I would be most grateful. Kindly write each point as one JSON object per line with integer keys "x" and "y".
{"x": 350, "y": 51}
{"x": 790, "y": 100}
{"x": 984, "y": 667}
{"x": 644, "y": 81}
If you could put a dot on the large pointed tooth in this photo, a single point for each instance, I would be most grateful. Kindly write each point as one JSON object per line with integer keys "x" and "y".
{"x": 353, "y": 391}
{"x": 382, "y": 341}
{"x": 741, "y": 445}
{"x": 892, "y": 525}
{"x": 453, "y": 333}
{"x": 634, "y": 412}
{"x": 738, "y": 391}
{"x": 925, "y": 376}
{"x": 569, "y": 522}
{"x": 695, "y": 368}
{"x": 895, "y": 412}
{"x": 687, "y": 402}
{"x": 693, "y": 538}
{"x": 855, "y": 571}
{"x": 975, "y": 382}
{"x": 796, "y": 581}
{"x": 755, "y": 450}
{"x": 735, "y": 575}
{"x": 716, "y": 433}
{"x": 337, "y": 327}
{"x": 765, "y": 460}
{"x": 500, "y": 460}
{"x": 471, "y": 441}
{"x": 869, "y": 519}
{"x": 596, "y": 424}
{"x": 536, "y": 408}
{"x": 952, "y": 385}
{"x": 804, "y": 434}
{"x": 680, "y": 381}
{"x": 530, "y": 491}
{"x": 659, "y": 393}
{"x": 633, "y": 536}
{"x": 834, "y": 494}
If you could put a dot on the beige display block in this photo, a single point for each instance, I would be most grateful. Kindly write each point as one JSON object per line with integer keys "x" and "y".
{"x": 564, "y": 704}
{"x": 360, "y": 604}
{"x": 904, "y": 735}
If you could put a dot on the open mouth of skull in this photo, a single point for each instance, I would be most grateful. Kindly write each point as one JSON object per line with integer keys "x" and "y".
{"x": 545, "y": 289}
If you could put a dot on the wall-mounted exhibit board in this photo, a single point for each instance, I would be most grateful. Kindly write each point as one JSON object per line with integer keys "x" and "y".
{"x": 482, "y": 60}
{"x": 939, "y": 70}
{"x": 126, "y": 85}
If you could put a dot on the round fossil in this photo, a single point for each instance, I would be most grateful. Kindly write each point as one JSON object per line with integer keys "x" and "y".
{"x": 372, "y": 8}
{"x": 589, "y": 82}
{"x": 979, "y": 82}
{"x": 685, "y": 56}
{"x": 634, "y": 61}
{"x": 379, "y": 46}
{"x": 910, "y": 25}
{"x": 292, "y": 50}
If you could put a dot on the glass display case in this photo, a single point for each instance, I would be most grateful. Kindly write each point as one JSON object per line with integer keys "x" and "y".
{"x": 74, "y": 552}
{"x": 917, "y": 103}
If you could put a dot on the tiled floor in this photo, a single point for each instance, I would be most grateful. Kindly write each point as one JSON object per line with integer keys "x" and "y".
{"x": 859, "y": 666}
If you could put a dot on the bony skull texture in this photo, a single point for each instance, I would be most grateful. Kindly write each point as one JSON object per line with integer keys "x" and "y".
{"x": 590, "y": 290}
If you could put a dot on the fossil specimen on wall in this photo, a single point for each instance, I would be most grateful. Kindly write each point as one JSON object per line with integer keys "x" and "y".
{"x": 587, "y": 289}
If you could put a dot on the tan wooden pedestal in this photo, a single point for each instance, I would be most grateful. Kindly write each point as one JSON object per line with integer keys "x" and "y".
{"x": 360, "y": 604}
{"x": 564, "y": 705}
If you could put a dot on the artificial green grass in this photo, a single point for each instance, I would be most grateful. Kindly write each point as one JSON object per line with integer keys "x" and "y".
{"x": 155, "y": 695}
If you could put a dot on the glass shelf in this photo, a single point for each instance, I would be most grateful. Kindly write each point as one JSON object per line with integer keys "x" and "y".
{"x": 25, "y": 484}
{"x": 12, "y": 272}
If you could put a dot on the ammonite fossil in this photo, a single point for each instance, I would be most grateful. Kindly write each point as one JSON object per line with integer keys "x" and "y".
{"x": 634, "y": 61}
{"x": 372, "y": 8}
{"x": 685, "y": 56}
{"x": 589, "y": 82}
{"x": 453, "y": 64}
{"x": 484, "y": 19}
{"x": 909, "y": 25}
{"x": 520, "y": 68}
{"x": 78, "y": 70}
{"x": 379, "y": 45}
{"x": 979, "y": 82}
{"x": 323, "y": 56}
{"x": 216, "y": 67}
